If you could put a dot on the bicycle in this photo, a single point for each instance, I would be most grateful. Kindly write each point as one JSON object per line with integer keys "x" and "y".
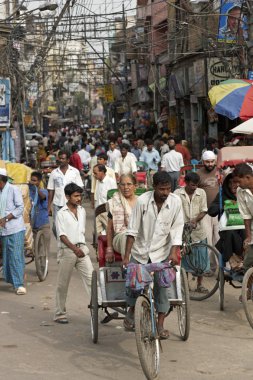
{"x": 196, "y": 268}
{"x": 146, "y": 332}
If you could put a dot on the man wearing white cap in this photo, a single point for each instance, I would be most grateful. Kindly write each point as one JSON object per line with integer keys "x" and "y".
{"x": 12, "y": 231}
{"x": 209, "y": 183}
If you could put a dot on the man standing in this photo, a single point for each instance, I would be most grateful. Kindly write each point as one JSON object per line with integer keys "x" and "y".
{"x": 58, "y": 179}
{"x": 113, "y": 154}
{"x": 243, "y": 174}
{"x": 104, "y": 183}
{"x": 101, "y": 160}
{"x": 12, "y": 231}
{"x": 209, "y": 183}
{"x": 154, "y": 234}
{"x": 150, "y": 156}
{"x": 172, "y": 162}
{"x": 194, "y": 209}
{"x": 164, "y": 147}
{"x": 72, "y": 249}
{"x": 126, "y": 164}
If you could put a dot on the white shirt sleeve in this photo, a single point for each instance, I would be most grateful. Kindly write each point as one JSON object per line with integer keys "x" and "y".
{"x": 116, "y": 167}
{"x": 60, "y": 225}
{"x": 181, "y": 162}
{"x": 177, "y": 226}
{"x": 243, "y": 208}
{"x": 50, "y": 185}
{"x": 78, "y": 180}
{"x": 134, "y": 166}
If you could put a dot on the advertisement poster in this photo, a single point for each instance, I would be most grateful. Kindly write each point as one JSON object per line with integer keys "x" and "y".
{"x": 5, "y": 101}
{"x": 232, "y": 23}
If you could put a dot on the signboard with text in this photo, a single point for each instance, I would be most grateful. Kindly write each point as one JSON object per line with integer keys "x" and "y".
{"x": 217, "y": 71}
{"x": 5, "y": 102}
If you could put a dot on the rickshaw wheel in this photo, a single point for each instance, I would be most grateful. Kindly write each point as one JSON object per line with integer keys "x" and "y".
{"x": 247, "y": 295}
{"x": 183, "y": 310}
{"x": 147, "y": 344}
{"x": 221, "y": 288}
{"x": 210, "y": 280}
{"x": 41, "y": 256}
{"x": 94, "y": 307}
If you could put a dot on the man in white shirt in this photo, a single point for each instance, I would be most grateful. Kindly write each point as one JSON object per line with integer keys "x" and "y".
{"x": 164, "y": 147}
{"x": 150, "y": 156}
{"x": 101, "y": 160}
{"x": 72, "y": 249}
{"x": 126, "y": 164}
{"x": 172, "y": 162}
{"x": 58, "y": 179}
{"x": 103, "y": 185}
{"x": 113, "y": 154}
{"x": 84, "y": 155}
{"x": 154, "y": 234}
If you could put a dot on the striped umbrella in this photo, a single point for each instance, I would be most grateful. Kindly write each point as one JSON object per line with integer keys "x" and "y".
{"x": 233, "y": 98}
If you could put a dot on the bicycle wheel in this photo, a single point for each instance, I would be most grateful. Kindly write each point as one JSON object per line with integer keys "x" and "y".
{"x": 221, "y": 289}
{"x": 147, "y": 343}
{"x": 208, "y": 271}
{"x": 41, "y": 256}
{"x": 183, "y": 310}
{"x": 94, "y": 307}
{"x": 247, "y": 295}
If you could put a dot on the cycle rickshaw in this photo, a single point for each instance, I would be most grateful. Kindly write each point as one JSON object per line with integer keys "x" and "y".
{"x": 35, "y": 242}
{"x": 111, "y": 280}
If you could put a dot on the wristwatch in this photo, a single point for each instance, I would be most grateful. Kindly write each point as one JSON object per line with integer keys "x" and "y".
{"x": 6, "y": 219}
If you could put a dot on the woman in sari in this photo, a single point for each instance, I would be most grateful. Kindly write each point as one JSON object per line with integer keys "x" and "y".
{"x": 120, "y": 208}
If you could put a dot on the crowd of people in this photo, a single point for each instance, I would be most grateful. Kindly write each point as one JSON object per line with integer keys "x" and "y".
{"x": 144, "y": 229}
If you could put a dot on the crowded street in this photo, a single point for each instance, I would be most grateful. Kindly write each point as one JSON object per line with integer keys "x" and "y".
{"x": 126, "y": 189}
{"x": 34, "y": 347}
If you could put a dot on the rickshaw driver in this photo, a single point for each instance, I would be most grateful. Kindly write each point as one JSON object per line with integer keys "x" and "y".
{"x": 154, "y": 233}
{"x": 243, "y": 173}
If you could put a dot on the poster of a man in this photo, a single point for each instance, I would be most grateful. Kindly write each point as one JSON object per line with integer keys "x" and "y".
{"x": 232, "y": 24}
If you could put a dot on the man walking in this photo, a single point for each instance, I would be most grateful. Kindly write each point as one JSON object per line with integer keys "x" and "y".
{"x": 209, "y": 183}
{"x": 58, "y": 179}
{"x": 172, "y": 162}
{"x": 12, "y": 231}
{"x": 72, "y": 249}
{"x": 154, "y": 233}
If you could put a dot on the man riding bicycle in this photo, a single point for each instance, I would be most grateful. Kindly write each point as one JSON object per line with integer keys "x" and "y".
{"x": 154, "y": 234}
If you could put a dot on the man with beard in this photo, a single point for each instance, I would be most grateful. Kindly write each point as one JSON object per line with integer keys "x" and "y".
{"x": 154, "y": 233}
{"x": 209, "y": 183}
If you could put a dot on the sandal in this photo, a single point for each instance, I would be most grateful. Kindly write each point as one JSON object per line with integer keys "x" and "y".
{"x": 163, "y": 333}
{"x": 20, "y": 291}
{"x": 62, "y": 320}
{"x": 201, "y": 289}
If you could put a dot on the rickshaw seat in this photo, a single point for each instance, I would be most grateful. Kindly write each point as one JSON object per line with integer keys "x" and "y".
{"x": 102, "y": 245}
{"x": 141, "y": 177}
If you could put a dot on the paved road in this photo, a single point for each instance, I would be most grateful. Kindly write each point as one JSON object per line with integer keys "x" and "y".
{"x": 33, "y": 347}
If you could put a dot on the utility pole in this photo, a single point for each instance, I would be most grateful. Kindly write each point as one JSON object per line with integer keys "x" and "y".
{"x": 125, "y": 65}
{"x": 250, "y": 38}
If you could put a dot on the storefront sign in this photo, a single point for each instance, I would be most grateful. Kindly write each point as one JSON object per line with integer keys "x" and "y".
{"x": 218, "y": 72}
{"x": 199, "y": 76}
{"x": 232, "y": 22}
{"x": 5, "y": 102}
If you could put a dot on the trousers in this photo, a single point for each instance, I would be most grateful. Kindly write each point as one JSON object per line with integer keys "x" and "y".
{"x": 174, "y": 180}
{"x": 67, "y": 262}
